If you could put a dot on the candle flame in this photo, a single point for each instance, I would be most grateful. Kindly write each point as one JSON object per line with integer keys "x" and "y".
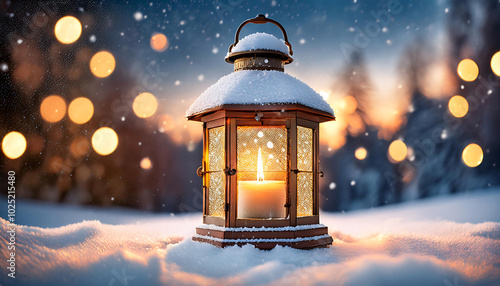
{"x": 260, "y": 168}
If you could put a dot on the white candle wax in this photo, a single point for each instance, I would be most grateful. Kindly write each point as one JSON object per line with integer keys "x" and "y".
{"x": 261, "y": 199}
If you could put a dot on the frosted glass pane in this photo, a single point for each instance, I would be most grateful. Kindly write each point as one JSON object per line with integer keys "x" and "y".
{"x": 216, "y": 146}
{"x": 216, "y": 177}
{"x": 305, "y": 178}
{"x": 304, "y": 148}
{"x": 216, "y": 197}
{"x": 304, "y": 194}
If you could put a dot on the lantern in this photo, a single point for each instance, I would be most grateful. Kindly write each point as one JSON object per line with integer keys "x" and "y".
{"x": 260, "y": 150}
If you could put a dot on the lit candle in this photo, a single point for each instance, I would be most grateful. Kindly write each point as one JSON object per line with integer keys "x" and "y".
{"x": 261, "y": 199}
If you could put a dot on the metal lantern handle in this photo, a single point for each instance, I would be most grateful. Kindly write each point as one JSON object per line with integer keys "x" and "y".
{"x": 261, "y": 19}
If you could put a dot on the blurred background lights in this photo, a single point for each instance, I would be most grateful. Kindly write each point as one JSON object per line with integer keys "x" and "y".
{"x": 458, "y": 106}
{"x": 360, "y": 153}
{"x": 146, "y": 163}
{"x": 68, "y": 29}
{"x": 349, "y": 104}
{"x": 80, "y": 110}
{"x": 495, "y": 63}
{"x": 104, "y": 141}
{"x": 166, "y": 123}
{"x": 397, "y": 151}
{"x": 159, "y": 42}
{"x": 14, "y": 145}
{"x": 79, "y": 146}
{"x": 467, "y": 69}
{"x": 102, "y": 64}
{"x": 472, "y": 155}
{"x": 145, "y": 105}
{"x": 53, "y": 108}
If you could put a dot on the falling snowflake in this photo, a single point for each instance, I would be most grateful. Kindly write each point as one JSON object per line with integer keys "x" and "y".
{"x": 138, "y": 16}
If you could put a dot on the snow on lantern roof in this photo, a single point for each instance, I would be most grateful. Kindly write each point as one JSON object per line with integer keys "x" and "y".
{"x": 258, "y": 87}
{"x": 260, "y": 41}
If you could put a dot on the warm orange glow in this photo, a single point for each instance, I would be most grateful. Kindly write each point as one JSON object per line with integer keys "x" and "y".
{"x": 146, "y": 163}
{"x": 495, "y": 63}
{"x": 102, "y": 64}
{"x": 166, "y": 123}
{"x": 80, "y": 110}
{"x": 260, "y": 168}
{"x": 14, "y": 145}
{"x": 472, "y": 155}
{"x": 79, "y": 146}
{"x": 104, "y": 141}
{"x": 360, "y": 153}
{"x": 467, "y": 69}
{"x": 68, "y": 29}
{"x": 397, "y": 151}
{"x": 349, "y": 104}
{"x": 145, "y": 105}
{"x": 159, "y": 42}
{"x": 458, "y": 106}
{"x": 53, "y": 108}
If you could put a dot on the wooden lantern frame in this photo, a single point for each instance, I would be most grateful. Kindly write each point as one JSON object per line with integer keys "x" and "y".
{"x": 293, "y": 230}
{"x": 225, "y": 233}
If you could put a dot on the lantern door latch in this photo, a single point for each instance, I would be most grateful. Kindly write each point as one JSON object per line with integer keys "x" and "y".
{"x": 230, "y": 172}
{"x": 296, "y": 171}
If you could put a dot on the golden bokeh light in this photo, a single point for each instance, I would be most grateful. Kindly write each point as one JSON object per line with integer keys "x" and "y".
{"x": 68, "y": 29}
{"x": 102, "y": 64}
{"x": 159, "y": 42}
{"x": 145, "y": 105}
{"x": 349, "y": 104}
{"x": 80, "y": 110}
{"x": 360, "y": 153}
{"x": 397, "y": 151}
{"x": 146, "y": 163}
{"x": 467, "y": 69}
{"x": 458, "y": 106}
{"x": 472, "y": 155}
{"x": 53, "y": 108}
{"x": 104, "y": 141}
{"x": 495, "y": 63}
{"x": 13, "y": 145}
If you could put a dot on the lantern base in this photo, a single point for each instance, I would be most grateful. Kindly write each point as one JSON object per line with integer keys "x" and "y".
{"x": 301, "y": 237}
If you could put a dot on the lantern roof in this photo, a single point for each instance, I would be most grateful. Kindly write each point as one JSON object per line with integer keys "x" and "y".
{"x": 258, "y": 88}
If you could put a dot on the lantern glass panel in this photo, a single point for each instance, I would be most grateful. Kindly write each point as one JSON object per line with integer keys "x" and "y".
{"x": 305, "y": 177}
{"x": 262, "y": 161}
{"x": 216, "y": 177}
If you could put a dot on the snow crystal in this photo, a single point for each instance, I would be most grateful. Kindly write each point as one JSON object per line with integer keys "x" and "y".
{"x": 260, "y": 41}
{"x": 261, "y": 88}
{"x": 4, "y": 67}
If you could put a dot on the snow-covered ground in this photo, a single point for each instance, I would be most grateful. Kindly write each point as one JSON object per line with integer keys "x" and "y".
{"x": 441, "y": 241}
